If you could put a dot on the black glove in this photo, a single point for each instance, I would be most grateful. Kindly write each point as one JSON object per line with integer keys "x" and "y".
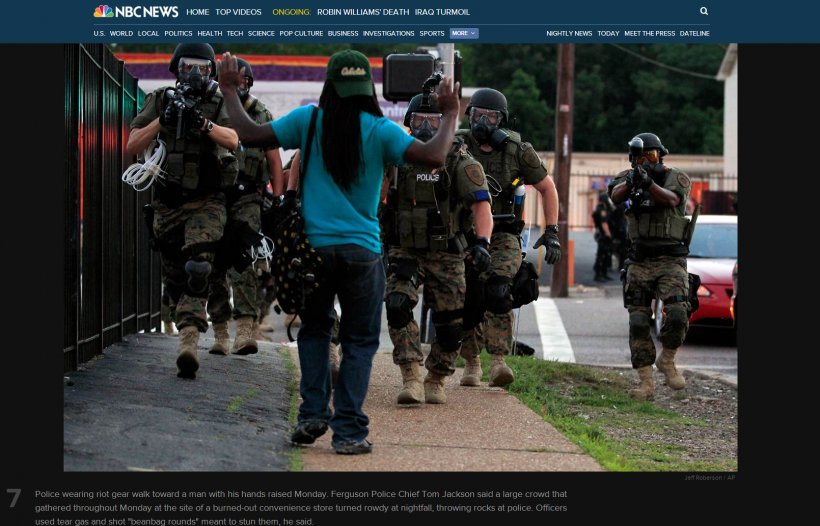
{"x": 641, "y": 179}
{"x": 267, "y": 200}
{"x": 195, "y": 119}
{"x": 168, "y": 117}
{"x": 478, "y": 256}
{"x": 288, "y": 203}
{"x": 549, "y": 239}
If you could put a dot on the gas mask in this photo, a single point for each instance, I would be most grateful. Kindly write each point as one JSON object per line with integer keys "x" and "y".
{"x": 425, "y": 125}
{"x": 653, "y": 164}
{"x": 196, "y": 72}
{"x": 244, "y": 89}
{"x": 484, "y": 127}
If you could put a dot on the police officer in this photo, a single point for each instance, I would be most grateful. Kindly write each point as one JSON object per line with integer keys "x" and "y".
{"x": 189, "y": 208}
{"x": 428, "y": 212}
{"x": 509, "y": 163}
{"x": 620, "y": 237}
{"x": 656, "y": 266}
{"x": 603, "y": 237}
{"x": 244, "y": 205}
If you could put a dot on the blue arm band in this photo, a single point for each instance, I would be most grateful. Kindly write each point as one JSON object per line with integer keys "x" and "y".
{"x": 482, "y": 195}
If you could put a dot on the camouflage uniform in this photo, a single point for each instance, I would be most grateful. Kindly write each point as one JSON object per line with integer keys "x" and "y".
{"x": 656, "y": 267}
{"x": 428, "y": 248}
{"x": 189, "y": 208}
{"x": 516, "y": 164}
{"x": 244, "y": 206}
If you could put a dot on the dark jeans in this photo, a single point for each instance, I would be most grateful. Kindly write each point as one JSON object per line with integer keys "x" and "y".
{"x": 356, "y": 276}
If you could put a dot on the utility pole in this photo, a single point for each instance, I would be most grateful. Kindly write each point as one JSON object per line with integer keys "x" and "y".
{"x": 563, "y": 158}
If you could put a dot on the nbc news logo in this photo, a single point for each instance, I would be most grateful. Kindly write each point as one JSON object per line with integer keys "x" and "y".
{"x": 140, "y": 11}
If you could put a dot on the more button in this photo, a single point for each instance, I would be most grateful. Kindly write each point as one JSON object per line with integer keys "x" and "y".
{"x": 464, "y": 33}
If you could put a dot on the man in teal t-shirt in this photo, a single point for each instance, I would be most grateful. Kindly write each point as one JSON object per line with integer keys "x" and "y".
{"x": 341, "y": 181}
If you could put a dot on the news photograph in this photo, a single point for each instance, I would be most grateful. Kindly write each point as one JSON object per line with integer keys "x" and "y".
{"x": 541, "y": 241}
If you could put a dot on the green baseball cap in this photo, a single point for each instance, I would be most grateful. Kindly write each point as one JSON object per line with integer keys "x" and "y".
{"x": 349, "y": 71}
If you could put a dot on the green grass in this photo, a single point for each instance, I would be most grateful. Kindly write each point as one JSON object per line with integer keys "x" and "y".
{"x": 295, "y": 453}
{"x": 591, "y": 407}
{"x": 236, "y": 402}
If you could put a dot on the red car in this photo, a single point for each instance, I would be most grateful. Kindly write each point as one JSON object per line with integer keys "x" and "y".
{"x": 712, "y": 256}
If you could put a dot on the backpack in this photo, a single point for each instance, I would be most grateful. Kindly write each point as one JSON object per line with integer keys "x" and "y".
{"x": 296, "y": 264}
{"x": 525, "y": 284}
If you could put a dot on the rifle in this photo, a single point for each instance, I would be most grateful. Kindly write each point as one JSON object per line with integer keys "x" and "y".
{"x": 635, "y": 151}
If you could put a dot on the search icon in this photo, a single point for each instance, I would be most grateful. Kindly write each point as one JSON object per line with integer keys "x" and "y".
{"x": 704, "y": 11}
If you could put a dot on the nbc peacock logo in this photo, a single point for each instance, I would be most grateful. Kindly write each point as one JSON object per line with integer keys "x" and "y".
{"x": 103, "y": 11}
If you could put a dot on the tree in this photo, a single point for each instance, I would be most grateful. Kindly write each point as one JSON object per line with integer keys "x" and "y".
{"x": 529, "y": 114}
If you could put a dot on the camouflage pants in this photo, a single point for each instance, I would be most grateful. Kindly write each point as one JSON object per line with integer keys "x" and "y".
{"x": 495, "y": 332}
{"x": 266, "y": 291}
{"x": 180, "y": 230}
{"x": 244, "y": 284}
{"x": 442, "y": 275}
{"x": 663, "y": 277}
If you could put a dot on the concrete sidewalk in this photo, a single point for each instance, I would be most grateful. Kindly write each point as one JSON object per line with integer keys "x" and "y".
{"x": 478, "y": 429}
{"x": 127, "y": 411}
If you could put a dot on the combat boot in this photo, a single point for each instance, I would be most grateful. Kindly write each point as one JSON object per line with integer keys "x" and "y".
{"x": 244, "y": 342}
{"x": 335, "y": 362}
{"x": 434, "y": 388}
{"x": 266, "y": 327}
{"x": 169, "y": 328}
{"x": 500, "y": 372}
{"x": 413, "y": 391}
{"x": 222, "y": 340}
{"x": 258, "y": 335}
{"x": 645, "y": 391}
{"x": 471, "y": 377}
{"x": 187, "y": 360}
{"x": 666, "y": 365}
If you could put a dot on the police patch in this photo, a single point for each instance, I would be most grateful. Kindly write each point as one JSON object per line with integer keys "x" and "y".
{"x": 475, "y": 174}
{"x": 148, "y": 100}
{"x": 683, "y": 180}
{"x": 530, "y": 158}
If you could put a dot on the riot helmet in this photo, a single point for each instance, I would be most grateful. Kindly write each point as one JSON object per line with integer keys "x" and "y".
{"x": 194, "y": 64}
{"x": 488, "y": 112}
{"x": 423, "y": 120}
{"x": 651, "y": 155}
{"x": 244, "y": 92}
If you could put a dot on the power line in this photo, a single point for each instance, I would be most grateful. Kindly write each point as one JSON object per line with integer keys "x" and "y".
{"x": 662, "y": 65}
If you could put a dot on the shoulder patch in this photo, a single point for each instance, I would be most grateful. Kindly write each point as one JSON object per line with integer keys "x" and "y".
{"x": 149, "y": 99}
{"x": 603, "y": 214}
{"x": 683, "y": 180}
{"x": 529, "y": 156}
{"x": 475, "y": 174}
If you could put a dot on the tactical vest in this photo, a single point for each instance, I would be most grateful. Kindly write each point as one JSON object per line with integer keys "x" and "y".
{"x": 428, "y": 211}
{"x": 253, "y": 165}
{"x": 195, "y": 162}
{"x": 650, "y": 224}
{"x": 501, "y": 165}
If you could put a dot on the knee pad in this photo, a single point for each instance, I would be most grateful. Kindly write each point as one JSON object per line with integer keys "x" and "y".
{"x": 448, "y": 337}
{"x": 498, "y": 294}
{"x": 674, "y": 326}
{"x": 639, "y": 325}
{"x": 404, "y": 269}
{"x": 399, "y": 308}
{"x": 198, "y": 271}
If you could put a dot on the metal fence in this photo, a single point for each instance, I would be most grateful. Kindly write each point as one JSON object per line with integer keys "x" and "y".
{"x": 111, "y": 277}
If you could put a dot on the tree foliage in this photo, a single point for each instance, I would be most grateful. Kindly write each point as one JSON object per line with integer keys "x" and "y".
{"x": 617, "y": 94}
